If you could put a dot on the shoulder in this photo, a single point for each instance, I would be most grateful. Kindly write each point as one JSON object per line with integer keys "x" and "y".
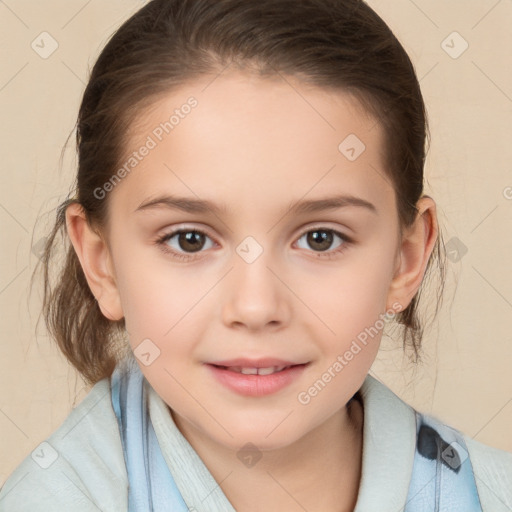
{"x": 81, "y": 465}
{"x": 490, "y": 467}
{"x": 493, "y": 475}
{"x": 395, "y": 427}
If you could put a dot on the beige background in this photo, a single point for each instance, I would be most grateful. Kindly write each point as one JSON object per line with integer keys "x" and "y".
{"x": 466, "y": 379}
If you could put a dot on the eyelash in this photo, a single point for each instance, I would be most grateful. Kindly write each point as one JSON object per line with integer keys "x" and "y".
{"x": 162, "y": 243}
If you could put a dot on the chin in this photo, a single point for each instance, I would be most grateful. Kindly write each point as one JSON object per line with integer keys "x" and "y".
{"x": 242, "y": 443}
{"x": 263, "y": 437}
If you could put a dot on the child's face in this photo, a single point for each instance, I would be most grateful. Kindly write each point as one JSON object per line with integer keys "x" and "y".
{"x": 255, "y": 149}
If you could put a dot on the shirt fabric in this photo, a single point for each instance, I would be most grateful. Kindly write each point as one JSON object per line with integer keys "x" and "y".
{"x": 81, "y": 466}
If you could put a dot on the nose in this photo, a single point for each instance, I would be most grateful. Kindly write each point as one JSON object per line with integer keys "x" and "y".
{"x": 255, "y": 298}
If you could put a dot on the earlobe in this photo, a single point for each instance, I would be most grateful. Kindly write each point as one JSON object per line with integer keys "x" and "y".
{"x": 416, "y": 247}
{"x": 95, "y": 259}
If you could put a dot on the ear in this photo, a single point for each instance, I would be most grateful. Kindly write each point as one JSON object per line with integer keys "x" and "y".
{"x": 95, "y": 259}
{"x": 416, "y": 247}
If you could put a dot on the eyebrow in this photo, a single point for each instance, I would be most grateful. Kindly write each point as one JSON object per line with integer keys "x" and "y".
{"x": 190, "y": 205}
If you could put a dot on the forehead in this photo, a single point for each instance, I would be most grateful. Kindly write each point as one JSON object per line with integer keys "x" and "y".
{"x": 238, "y": 139}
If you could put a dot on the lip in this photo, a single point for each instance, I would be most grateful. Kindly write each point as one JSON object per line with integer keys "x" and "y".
{"x": 256, "y": 385}
{"x": 263, "y": 362}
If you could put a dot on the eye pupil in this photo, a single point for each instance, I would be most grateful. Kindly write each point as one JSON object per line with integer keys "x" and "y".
{"x": 191, "y": 241}
{"x": 323, "y": 238}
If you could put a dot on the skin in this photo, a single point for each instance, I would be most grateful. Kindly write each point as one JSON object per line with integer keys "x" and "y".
{"x": 258, "y": 146}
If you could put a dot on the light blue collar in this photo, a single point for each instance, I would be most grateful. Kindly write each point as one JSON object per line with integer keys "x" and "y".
{"x": 151, "y": 486}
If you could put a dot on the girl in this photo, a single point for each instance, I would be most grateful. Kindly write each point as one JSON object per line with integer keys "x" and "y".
{"x": 249, "y": 215}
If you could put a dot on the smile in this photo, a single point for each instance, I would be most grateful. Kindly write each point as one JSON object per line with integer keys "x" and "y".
{"x": 255, "y": 371}
{"x": 256, "y": 381}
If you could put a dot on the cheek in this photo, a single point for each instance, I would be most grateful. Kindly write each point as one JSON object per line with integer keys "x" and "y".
{"x": 161, "y": 307}
{"x": 153, "y": 298}
{"x": 352, "y": 307}
{"x": 353, "y": 295}
{"x": 165, "y": 305}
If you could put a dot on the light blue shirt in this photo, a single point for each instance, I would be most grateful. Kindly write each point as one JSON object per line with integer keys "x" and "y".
{"x": 81, "y": 466}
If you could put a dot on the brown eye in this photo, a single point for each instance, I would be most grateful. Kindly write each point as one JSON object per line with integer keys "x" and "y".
{"x": 187, "y": 241}
{"x": 321, "y": 240}
{"x": 191, "y": 241}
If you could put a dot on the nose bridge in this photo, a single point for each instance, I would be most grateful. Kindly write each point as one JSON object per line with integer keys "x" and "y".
{"x": 255, "y": 297}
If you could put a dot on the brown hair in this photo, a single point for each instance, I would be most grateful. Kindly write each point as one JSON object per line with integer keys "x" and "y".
{"x": 334, "y": 44}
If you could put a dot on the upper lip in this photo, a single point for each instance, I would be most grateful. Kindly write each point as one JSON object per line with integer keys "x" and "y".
{"x": 264, "y": 362}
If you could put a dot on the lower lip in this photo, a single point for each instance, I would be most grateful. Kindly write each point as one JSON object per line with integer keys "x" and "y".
{"x": 257, "y": 385}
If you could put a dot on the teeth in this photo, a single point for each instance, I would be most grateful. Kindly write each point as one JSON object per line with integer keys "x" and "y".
{"x": 257, "y": 371}
{"x": 267, "y": 371}
{"x": 249, "y": 371}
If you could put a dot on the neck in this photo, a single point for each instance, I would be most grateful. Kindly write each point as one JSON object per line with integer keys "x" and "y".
{"x": 319, "y": 472}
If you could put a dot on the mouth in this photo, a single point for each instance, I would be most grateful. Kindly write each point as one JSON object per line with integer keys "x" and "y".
{"x": 269, "y": 370}
{"x": 256, "y": 380}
